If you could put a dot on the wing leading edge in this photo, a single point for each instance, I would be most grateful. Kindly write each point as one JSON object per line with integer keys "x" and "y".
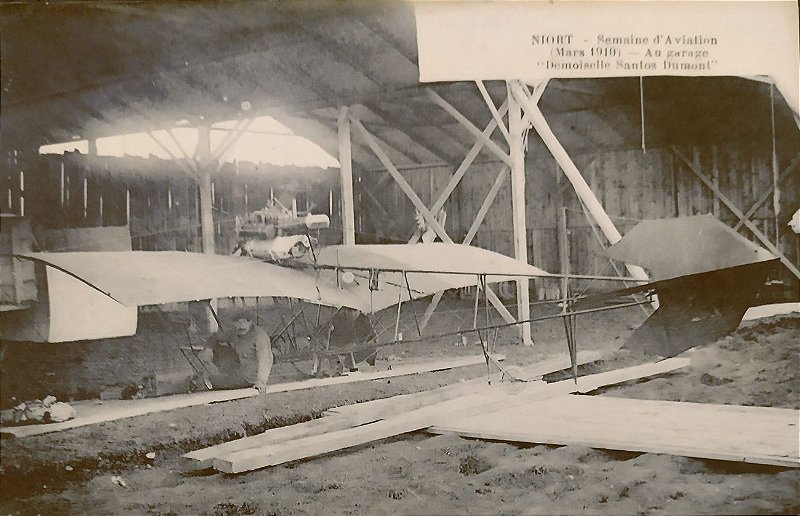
{"x": 135, "y": 278}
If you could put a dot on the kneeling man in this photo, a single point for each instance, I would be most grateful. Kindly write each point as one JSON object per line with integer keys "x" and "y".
{"x": 239, "y": 358}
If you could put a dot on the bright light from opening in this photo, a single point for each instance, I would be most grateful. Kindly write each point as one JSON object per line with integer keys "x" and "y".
{"x": 144, "y": 145}
{"x": 81, "y": 146}
{"x": 265, "y": 141}
{"x": 268, "y": 141}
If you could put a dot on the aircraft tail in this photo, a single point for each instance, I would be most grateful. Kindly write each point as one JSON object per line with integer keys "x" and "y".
{"x": 705, "y": 275}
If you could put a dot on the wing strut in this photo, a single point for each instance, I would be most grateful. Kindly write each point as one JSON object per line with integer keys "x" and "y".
{"x": 411, "y": 302}
{"x": 399, "y": 305}
{"x": 569, "y": 329}
{"x": 214, "y": 313}
{"x": 316, "y": 268}
{"x": 484, "y": 345}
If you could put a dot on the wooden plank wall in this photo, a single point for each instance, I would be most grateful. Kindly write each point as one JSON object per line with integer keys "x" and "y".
{"x": 154, "y": 197}
{"x": 159, "y": 201}
{"x": 631, "y": 184}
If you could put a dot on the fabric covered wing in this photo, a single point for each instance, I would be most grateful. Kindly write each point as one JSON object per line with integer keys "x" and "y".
{"x": 431, "y": 257}
{"x": 393, "y": 287}
{"x": 151, "y": 277}
{"x": 155, "y": 277}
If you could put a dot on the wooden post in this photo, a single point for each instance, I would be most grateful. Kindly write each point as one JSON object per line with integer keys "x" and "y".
{"x": 346, "y": 177}
{"x": 571, "y": 171}
{"x": 206, "y": 204}
{"x": 206, "y": 201}
{"x": 516, "y": 132}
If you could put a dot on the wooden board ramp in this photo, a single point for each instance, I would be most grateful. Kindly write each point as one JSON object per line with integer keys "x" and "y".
{"x": 722, "y": 432}
{"x": 493, "y": 397}
{"x": 348, "y": 416}
{"x": 417, "y": 400}
{"x": 93, "y": 412}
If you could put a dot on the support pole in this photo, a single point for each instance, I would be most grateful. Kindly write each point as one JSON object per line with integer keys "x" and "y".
{"x": 346, "y": 177}
{"x": 206, "y": 202}
{"x": 206, "y": 206}
{"x": 571, "y": 171}
{"x": 516, "y": 131}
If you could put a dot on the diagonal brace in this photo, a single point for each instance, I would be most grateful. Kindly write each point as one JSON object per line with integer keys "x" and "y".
{"x": 761, "y": 200}
{"x": 473, "y": 230}
{"x": 736, "y": 211}
{"x": 417, "y": 202}
{"x": 490, "y": 144}
{"x": 461, "y": 171}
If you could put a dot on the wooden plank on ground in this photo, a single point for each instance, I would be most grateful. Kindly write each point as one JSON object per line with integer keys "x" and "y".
{"x": 723, "y": 432}
{"x": 271, "y": 455}
{"x": 90, "y": 413}
{"x": 348, "y": 416}
{"x": 203, "y": 458}
{"x": 93, "y": 412}
{"x": 417, "y": 400}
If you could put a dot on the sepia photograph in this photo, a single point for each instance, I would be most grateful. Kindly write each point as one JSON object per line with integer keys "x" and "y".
{"x": 399, "y": 257}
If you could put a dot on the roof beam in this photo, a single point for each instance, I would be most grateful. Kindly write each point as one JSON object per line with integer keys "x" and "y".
{"x": 409, "y": 131}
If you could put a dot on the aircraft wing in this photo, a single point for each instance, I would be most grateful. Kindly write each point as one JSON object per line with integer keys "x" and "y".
{"x": 451, "y": 259}
{"x": 423, "y": 269}
{"x": 135, "y": 278}
{"x": 705, "y": 274}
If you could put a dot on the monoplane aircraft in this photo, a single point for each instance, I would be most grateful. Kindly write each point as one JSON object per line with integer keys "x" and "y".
{"x": 705, "y": 276}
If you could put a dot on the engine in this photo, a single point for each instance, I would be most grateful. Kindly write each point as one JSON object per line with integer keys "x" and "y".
{"x": 276, "y": 233}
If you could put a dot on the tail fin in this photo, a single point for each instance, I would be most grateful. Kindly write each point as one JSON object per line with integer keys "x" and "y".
{"x": 706, "y": 276}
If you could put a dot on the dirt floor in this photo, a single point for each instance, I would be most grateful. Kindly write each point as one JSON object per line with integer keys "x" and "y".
{"x": 71, "y": 472}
